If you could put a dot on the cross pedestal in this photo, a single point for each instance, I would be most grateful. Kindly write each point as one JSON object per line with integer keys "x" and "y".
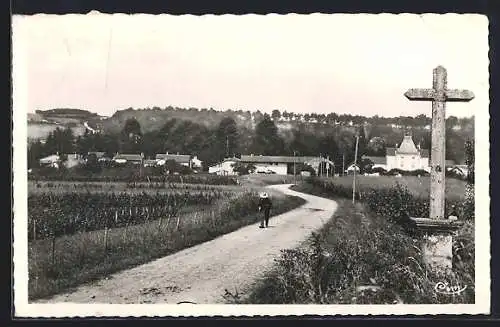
{"x": 436, "y": 240}
{"x": 436, "y": 231}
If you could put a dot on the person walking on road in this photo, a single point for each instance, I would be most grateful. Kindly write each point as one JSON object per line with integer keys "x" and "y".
{"x": 265, "y": 205}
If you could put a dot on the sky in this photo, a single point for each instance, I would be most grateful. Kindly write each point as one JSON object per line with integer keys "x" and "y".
{"x": 359, "y": 64}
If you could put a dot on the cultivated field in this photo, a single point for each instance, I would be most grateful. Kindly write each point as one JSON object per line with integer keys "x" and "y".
{"x": 418, "y": 186}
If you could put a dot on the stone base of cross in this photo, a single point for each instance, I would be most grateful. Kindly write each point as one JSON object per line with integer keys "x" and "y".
{"x": 436, "y": 231}
{"x": 436, "y": 240}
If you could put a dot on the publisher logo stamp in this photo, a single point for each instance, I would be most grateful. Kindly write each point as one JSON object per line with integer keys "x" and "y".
{"x": 447, "y": 289}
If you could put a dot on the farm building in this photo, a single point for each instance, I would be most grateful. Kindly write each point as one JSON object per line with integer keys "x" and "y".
{"x": 149, "y": 162}
{"x": 182, "y": 159}
{"x": 195, "y": 162}
{"x": 128, "y": 158}
{"x": 98, "y": 154}
{"x": 50, "y": 161}
{"x": 55, "y": 161}
{"x": 281, "y": 165}
{"x": 224, "y": 168}
{"x": 351, "y": 169}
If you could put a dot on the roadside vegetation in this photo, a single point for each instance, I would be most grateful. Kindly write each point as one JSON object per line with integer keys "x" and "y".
{"x": 78, "y": 237}
{"x": 364, "y": 255}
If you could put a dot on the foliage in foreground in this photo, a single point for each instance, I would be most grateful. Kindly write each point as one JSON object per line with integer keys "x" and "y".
{"x": 363, "y": 255}
{"x": 398, "y": 201}
{"x": 54, "y": 214}
{"x": 125, "y": 174}
{"x": 58, "y": 264}
{"x": 359, "y": 258}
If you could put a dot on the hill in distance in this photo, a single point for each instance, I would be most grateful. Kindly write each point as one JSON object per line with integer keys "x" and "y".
{"x": 151, "y": 119}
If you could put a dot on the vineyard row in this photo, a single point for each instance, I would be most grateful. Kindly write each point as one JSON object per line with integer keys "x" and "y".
{"x": 52, "y": 215}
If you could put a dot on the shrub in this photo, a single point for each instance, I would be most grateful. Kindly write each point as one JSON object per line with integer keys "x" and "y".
{"x": 362, "y": 258}
{"x": 397, "y": 202}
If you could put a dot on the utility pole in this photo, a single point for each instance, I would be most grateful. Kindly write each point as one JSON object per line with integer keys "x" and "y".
{"x": 328, "y": 165}
{"x": 355, "y": 166}
{"x": 142, "y": 164}
{"x": 319, "y": 167}
{"x": 227, "y": 147}
{"x": 343, "y": 164}
{"x": 294, "y": 169}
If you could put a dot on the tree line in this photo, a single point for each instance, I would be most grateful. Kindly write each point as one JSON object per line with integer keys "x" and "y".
{"x": 227, "y": 139}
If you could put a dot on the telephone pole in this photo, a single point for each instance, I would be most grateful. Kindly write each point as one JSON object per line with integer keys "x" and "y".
{"x": 355, "y": 166}
{"x": 319, "y": 167}
{"x": 294, "y": 169}
{"x": 343, "y": 164}
{"x": 328, "y": 165}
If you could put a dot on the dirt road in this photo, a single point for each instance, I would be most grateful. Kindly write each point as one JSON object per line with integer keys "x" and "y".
{"x": 201, "y": 274}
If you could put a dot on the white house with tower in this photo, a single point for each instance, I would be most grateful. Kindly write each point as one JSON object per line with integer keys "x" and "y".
{"x": 406, "y": 157}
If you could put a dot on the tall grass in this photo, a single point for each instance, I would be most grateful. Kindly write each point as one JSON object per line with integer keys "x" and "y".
{"x": 58, "y": 264}
{"x": 359, "y": 258}
{"x": 364, "y": 256}
{"x": 418, "y": 186}
{"x": 399, "y": 198}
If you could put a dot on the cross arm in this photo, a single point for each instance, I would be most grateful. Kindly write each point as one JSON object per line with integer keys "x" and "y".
{"x": 459, "y": 95}
{"x": 420, "y": 94}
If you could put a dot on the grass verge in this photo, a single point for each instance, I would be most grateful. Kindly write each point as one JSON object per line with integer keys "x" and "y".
{"x": 362, "y": 258}
{"x": 85, "y": 257}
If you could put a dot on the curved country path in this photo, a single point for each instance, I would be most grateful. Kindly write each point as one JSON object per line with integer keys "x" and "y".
{"x": 201, "y": 273}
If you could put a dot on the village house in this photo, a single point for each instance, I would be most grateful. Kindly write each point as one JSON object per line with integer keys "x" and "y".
{"x": 100, "y": 155}
{"x": 196, "y": 163}
{"x": 224, "y": 168}
{"x": 55, "y": 160}
{"x": 406, "y": 157}
{"x": 351, "y": 168}
{"x": 124, "y": 158}
{"x": 182, "y": 159}
{"x": 282, "y": 165}
{"x": 149, "y": 162}
{"x": 50, "y": 161}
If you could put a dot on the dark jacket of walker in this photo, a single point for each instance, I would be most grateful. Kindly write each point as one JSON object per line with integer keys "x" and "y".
{"x": 265, "y": 204}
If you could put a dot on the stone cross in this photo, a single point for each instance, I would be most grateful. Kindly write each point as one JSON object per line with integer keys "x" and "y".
{"x": 437, "y": 231}
{"x": 439, "y": 95}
